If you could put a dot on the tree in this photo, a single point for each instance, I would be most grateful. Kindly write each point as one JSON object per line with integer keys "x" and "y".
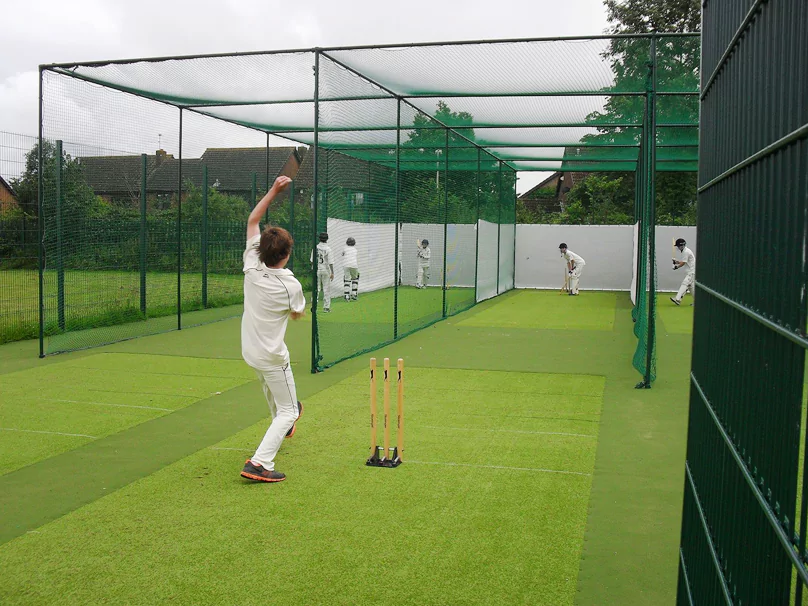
{"x": 78, "y": 199}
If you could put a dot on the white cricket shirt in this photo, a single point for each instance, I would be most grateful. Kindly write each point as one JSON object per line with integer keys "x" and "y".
{"x": 325, "y": 258}
{"x": 424, "y": 254}
{"x": 349, "y": 257}
{"x": 270, "y": 295}
{"x": 690, "y": 260}
{"x": 571, "y": 256}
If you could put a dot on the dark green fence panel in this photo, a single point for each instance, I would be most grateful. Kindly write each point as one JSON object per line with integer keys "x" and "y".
{"x": 743, "y": 535}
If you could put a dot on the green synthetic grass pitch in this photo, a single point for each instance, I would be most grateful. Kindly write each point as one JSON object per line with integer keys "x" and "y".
{"x": 52, "y": 409}
{"x": 675, "y": 320}
{"x": 591, "y": 310}
{"x": 489, "y": 507}
{"x": 154, "y": 474}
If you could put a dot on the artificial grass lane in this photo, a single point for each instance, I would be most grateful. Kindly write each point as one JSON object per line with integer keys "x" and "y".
{"x": 437, "y": 533}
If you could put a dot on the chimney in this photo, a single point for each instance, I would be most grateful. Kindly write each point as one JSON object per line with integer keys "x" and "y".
{"x": 159, "y": 156}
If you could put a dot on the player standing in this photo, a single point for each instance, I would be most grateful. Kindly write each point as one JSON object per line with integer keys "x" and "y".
{"x": 350, "y": 275}
{"x": 424, "y": 256}
{"x": 325, "y": 270}
{"x": 575, "y": 266}
{"x": 688, "y": 284}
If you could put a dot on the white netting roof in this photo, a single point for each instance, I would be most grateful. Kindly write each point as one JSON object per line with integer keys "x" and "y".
{"x": 523, "y": 101}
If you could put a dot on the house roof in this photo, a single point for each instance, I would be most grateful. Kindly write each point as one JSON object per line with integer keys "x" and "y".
{"x": 341, "y": 170}
{"x": 6, "y": 185}
{"x": 533, "y": 191}
{"x": 233, "y": 168}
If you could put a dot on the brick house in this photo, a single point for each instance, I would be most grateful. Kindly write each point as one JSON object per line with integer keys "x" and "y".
{"x": 230, "y": 171}
{"x": 7, "y": 198}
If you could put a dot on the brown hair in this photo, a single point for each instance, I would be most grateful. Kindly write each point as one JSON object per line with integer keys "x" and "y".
{"x": 275, "y": 245}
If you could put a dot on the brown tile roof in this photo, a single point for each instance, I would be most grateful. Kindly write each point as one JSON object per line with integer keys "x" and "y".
{"x": 233, "y": 168}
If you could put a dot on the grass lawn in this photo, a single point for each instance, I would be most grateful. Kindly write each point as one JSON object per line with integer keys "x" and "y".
{"x": 101, "y": 298}
{"x": 534, "y": 472}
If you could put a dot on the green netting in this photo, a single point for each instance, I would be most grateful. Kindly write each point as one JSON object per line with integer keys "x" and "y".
{"x": 645, "y": 285}
{"x": 410, "y": 142}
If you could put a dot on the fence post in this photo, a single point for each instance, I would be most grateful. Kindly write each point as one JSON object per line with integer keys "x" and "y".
{"x": 651, "y": 216}
{"x": 142, "y": 244}
{"x": 204, "y": 250}
{"x": 254, "y": 193}
{"x": 60, "y": 261}
{"x": 179, "y": 230}
{"x": 398, "y": 218}
{"x": 292, "y": 222}
{"x": 477, "y": 228}
{"x": 499, "y": 217}
{"x": 445, "y": 217}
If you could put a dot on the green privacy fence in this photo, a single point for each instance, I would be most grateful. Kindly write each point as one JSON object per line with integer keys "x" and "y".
{"x": 745, "y": 512}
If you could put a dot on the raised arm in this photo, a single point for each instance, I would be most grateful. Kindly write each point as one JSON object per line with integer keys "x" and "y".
{"x": 253, "y": 228}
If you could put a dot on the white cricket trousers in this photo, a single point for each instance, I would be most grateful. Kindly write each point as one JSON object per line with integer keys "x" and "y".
{"x": 574, "y": 277}
{"x": 279, "y": 388}
{"x": 687, "y": 284}
{"x": 423, "y": 275}
{"x": 324, "y": 284}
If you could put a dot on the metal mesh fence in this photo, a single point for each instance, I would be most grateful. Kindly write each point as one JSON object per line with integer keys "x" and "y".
{"x": 745, "y": 511}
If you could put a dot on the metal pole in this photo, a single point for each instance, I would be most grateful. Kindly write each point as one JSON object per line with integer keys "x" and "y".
{"x": 60, "y": 262}
{"x": 477, "y": 229}
{"x": 266, "y": 171}
{"x": 204, "y": 250}
{"x": 40, "y": 228}
{"x": 445, "y": 217}
{"x": 291, "y": 263}
{"x": 499, "y": 216}
{"x": 651, "y": 214}
{"x": 515, "y": 198}
{"x": 142, "y": 244}
{"x": 179, "y": 231}
{"x": 398, "y": 218}
{"x": 254, "y": 192}
{"x": 315, "y": 346}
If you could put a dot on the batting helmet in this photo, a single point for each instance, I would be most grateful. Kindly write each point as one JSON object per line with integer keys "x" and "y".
{"x": 323, "y": 237}
{"x": 350, "y": 241}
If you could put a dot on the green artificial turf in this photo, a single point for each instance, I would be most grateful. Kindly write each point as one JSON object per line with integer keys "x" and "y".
{"x": 591, "y": 310}
{"x": 675, "y": 320}
{"x": 332, "y": 507}
{"x": 58, "y": 407}
{"x": 459, "y": 522}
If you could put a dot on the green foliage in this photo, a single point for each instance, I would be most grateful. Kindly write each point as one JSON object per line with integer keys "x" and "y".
{"x": 221, "y": 207}
{"x": 645, "y": 16}
{"x": 78, "y": 199}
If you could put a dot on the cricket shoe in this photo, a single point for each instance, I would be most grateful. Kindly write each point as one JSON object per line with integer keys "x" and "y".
{"x": 293, "y": 428}
{"x": 257, "y": 473}
{"x": 675, "y": 302}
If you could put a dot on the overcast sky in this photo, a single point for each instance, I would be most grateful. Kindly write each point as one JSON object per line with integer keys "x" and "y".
{"x": 50, "y": 31}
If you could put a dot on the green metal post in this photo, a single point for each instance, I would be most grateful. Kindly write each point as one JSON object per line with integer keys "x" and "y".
{"x": 651, "y": 215}
{"x": 398, "y": 218}
{"x": 445, "y": 216}
{"x": 204, "y": 250}
{"x": 477, "y": 228}
{"x": 515, "y": 198}
{"x": 499, "y": 216}
{"x": 266, "y": 172}
{"x": 60, "y": 259}
{"x": 291, "y": 190}
{"x": 254, "y": 192}
{"x": 142, "y": 243}
{"x": 315, "y": 345}
{"x": 179, "y": 229}
{"x": 40, "y": 229}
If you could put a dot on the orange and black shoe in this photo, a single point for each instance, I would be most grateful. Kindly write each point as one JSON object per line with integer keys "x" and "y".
{"x": 257, "y": 473}
{"x": 292, "y": 429}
